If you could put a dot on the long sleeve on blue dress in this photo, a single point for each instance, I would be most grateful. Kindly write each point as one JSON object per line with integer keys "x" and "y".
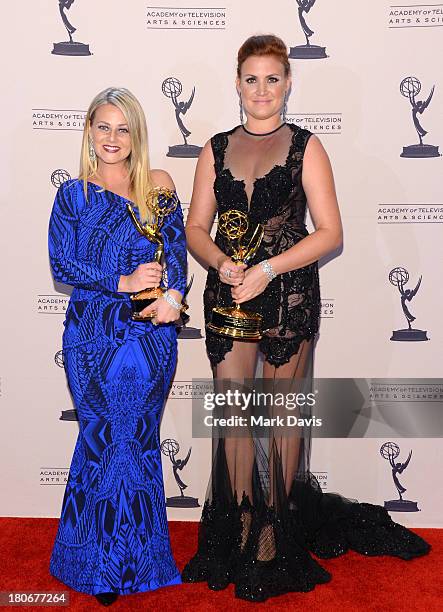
{"x": 66, "y": 266}
{"x": 173, "y": 233}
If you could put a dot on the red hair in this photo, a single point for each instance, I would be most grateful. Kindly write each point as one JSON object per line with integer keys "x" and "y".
{"x": 264, "y": 44}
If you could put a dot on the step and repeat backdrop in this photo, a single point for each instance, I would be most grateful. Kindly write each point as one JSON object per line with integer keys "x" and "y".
{"x": 366, "y": 81}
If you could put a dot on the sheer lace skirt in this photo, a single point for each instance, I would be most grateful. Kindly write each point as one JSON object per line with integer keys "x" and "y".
{"x": 265, "y": 511}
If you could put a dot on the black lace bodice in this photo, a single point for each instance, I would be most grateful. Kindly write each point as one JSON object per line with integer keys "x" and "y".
{"x": 290, "y": 304}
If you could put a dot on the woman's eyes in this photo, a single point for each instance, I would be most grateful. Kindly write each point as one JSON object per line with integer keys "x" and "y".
{"x": 105, "y": 128}
{"x": 251, "y": 80}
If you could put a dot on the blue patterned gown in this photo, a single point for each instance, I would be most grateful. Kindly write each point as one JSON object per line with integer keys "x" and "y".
{"x": 113, "y": 532}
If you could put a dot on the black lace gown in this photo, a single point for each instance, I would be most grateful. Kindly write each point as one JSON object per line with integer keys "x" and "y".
{"x": 290, "y": 305}
{"x": 265, "y": 512}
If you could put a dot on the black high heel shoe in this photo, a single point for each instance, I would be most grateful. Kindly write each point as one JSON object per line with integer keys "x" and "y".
{"x": 106, "y": 599}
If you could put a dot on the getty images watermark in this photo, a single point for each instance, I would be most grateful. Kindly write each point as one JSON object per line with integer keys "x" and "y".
{"x": 319, "y": 407}
{"x": 258, "y": 409}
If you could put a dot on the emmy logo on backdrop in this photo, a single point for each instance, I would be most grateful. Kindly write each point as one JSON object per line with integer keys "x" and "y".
{"x": 170, "y": 448}
{"x": 390, "y": 451}
{"x": 306, "y": 51}
{"x": 172, "y": 88}
{"x": 399, "y": 277}
{"x": 409, "y": 88}
{"x": 69, "y": 47}
{"x": 59, "y": 176}
{"x": 59, "y": 359}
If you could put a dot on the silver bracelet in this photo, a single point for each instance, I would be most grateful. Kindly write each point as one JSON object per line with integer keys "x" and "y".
{"x": 171, "y": 300}
{"x": 268, "y": 269}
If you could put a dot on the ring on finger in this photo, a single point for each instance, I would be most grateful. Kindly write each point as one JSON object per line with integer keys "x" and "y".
{"x": 228, "y": 273}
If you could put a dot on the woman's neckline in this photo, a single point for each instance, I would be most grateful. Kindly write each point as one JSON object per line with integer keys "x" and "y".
{"x": 293, "y": 128}
{"x": 129, "y": 201}
{"x": 245, "y": 129}
{"x": 110, "y": 191}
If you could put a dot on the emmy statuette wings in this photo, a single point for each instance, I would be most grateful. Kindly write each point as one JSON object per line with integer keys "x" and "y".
{"x": 233, "y": 321}
{"x": 307, "y": 51}
{"x": 410, "y": 87}
{"x": 151, "y": 231}
{"x": 69, "y": 47}
{"x": 399, "y": 277}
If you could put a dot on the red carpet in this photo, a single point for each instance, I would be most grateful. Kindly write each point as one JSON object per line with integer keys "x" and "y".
{"x": 358, "y": 583}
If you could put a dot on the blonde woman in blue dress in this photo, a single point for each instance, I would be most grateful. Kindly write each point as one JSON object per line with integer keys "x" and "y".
{"x": 113, "y": 535}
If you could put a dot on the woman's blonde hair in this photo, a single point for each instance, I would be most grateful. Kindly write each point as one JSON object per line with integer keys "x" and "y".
{"x": 138, "y": 160}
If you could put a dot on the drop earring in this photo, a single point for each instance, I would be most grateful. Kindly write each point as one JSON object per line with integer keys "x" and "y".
{"x": 92, "y": 155}
{"x": 241, "y": 109}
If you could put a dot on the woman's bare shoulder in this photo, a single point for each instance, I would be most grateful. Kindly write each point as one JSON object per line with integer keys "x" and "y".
{"x": 161, "y": 178}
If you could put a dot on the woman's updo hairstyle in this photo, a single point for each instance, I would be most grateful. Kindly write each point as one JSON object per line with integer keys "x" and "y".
{"x": 264, "y": 44}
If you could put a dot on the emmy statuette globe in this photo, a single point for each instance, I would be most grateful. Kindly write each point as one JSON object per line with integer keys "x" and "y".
{"x": 233, "y": 321}
{"x": 162, "y": 203}
{"x": 399, "y": 277}
{"x": 172, "y": 89}
{"x": 170, "y": 448}
{"x": 391, "y": 451}
{"x": 410, "y": 87}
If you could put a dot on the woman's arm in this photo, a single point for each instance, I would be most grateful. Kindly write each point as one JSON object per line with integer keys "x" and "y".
{"x": 318, "y": 184}
{"x": 66, "y": 267}
{"x": 174, "y": 239}
{"x": 201, "y": 217}
{"x": 202, "y": 211}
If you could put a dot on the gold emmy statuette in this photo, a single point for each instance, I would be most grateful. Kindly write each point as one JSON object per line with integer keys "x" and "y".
{"x": 233, "y": 321}
{"x": 151, "y": 231}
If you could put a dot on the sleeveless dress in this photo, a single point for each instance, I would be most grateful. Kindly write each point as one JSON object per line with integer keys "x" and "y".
{"x": 113, "y": 532}
{"x": 262, "y": 540}
{"x": 290, "y": 304}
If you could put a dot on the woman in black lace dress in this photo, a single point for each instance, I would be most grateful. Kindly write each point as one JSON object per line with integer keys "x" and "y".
{"x": 265, "y": 512}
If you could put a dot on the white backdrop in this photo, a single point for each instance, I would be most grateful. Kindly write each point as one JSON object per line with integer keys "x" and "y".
{"x": 392, "y": 212}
